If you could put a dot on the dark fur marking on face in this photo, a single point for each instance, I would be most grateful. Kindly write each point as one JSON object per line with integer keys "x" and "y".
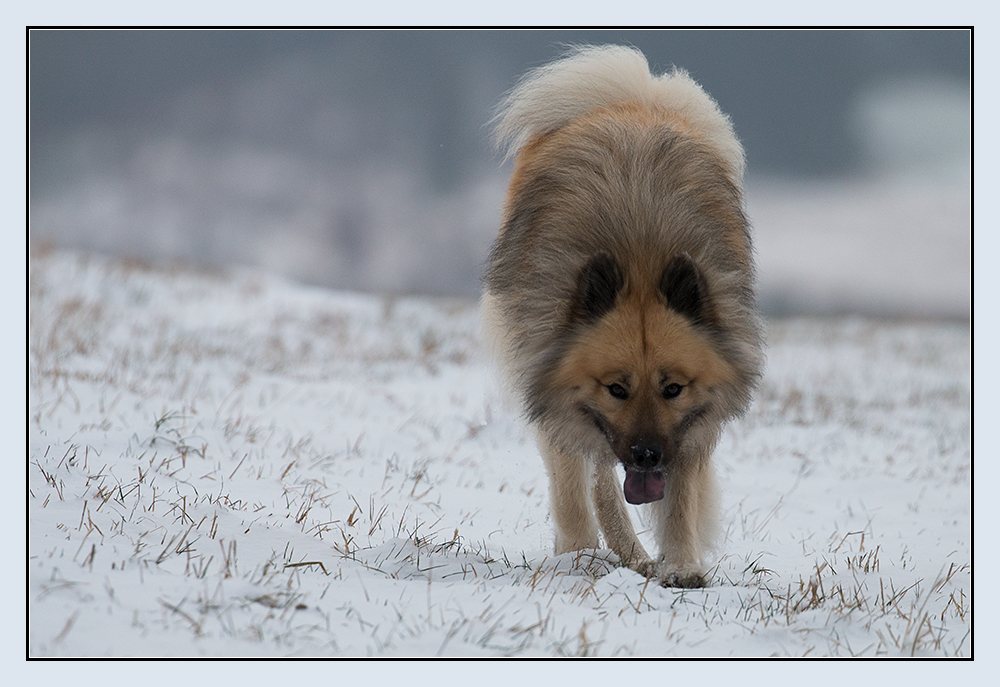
{"x": 685, "y": 289}
{"x": 597, "y": 288}
{"x": 688, "y": 421}
{"x": 675, "y": 438}
{"x": 599, "y": 421}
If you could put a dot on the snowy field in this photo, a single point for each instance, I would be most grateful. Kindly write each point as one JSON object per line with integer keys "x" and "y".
{"x": 234, "y": 465}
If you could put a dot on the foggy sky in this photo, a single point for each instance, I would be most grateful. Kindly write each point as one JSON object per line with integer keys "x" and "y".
{"x": 361, "y": 159}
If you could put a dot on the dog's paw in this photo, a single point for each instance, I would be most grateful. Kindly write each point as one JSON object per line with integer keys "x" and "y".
{"x": 684, "y": 580}
{"x": 645, "y": 567}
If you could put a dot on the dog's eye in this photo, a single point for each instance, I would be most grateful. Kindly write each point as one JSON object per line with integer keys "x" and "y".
{"x": 618, "y": 391}
{"x": 672, "y": 390}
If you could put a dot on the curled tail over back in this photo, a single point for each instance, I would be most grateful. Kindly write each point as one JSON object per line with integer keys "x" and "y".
{"x": 591, "y": 77}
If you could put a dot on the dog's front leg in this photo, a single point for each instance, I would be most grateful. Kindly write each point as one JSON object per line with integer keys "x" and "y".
{"x": 570, "y": 500}
{"x": 686, "y": 524}
{"x": 615, "y": 521}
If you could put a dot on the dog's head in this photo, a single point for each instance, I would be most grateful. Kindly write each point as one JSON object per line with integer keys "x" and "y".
{"x": 642, "y": 367}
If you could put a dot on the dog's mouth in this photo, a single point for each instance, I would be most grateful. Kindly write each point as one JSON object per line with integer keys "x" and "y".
{"x": 643, "y": 487}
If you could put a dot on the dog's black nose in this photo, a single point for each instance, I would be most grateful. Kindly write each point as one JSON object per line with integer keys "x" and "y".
{"x": 646, "y": 456}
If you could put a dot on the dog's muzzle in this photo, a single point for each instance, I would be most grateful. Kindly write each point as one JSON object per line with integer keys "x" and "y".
{"x": 646, "y": 456}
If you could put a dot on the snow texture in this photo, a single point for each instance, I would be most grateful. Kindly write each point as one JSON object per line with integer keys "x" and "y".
{"x": 229, "y": 464}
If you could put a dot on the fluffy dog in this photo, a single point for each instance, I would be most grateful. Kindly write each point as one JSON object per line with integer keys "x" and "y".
{"x": 620, "y": 298}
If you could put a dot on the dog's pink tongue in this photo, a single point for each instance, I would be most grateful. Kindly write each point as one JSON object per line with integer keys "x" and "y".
{"x": 644, "y": 487}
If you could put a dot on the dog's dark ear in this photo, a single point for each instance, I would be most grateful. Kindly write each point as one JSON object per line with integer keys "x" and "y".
{"x": 597, "y": 288}
{"x": 684, "y": 288}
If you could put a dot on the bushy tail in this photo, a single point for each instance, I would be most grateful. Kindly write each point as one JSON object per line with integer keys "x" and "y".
{"x": 590, "y": 77}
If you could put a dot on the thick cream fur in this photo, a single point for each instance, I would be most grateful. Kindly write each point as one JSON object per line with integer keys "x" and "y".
{"x": 592, "y": 77}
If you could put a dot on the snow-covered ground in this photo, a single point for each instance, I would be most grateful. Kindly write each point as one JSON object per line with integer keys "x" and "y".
{"x": 229, "y": 464}
{"x": 892, "y": 245}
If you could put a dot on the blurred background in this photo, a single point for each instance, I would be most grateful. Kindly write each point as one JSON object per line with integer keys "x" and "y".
{"x": 361, "y": 160}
